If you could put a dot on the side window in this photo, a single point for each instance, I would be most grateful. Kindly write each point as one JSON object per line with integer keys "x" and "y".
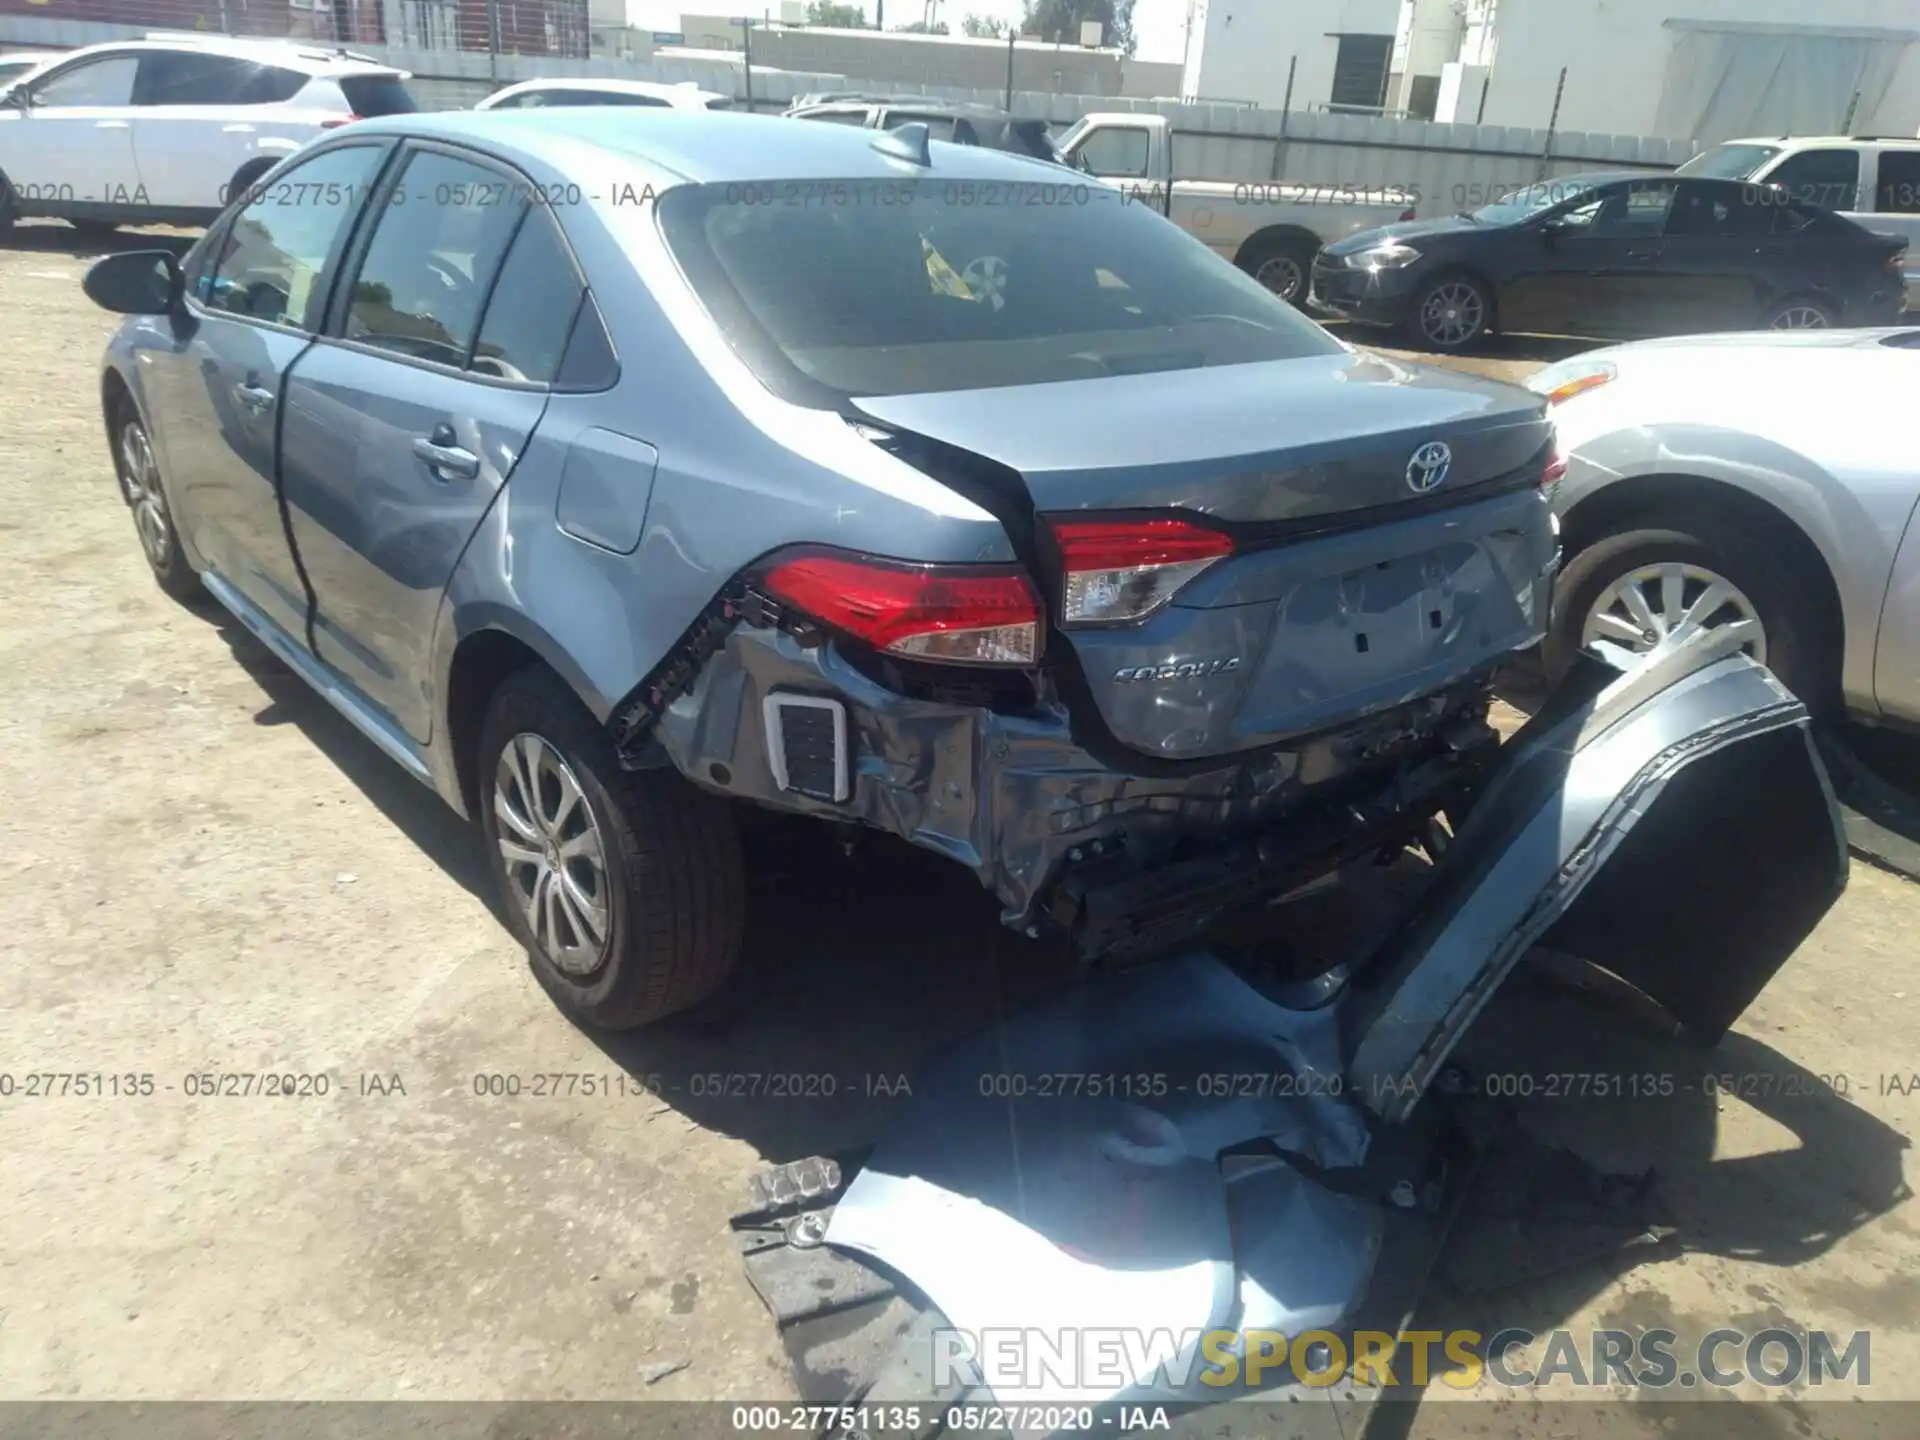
{"x": 107, "y": 81}
{"x": 525, "y": 330}
{"x": 1898, "y": 192}
{"x": 1827, "y": 178}
{"x": 837, "y": 117}
{"x": 939, "y": 127}
{"x": 187, "y": 77}
{"x": 1728, "y": 211}
{"x": 525, "y": 100}
{"x": 1118, "y": 150}
{"x": 433, "y": 253}
{"x": 1632, "y": 211}
{"x": 276, "y": 248}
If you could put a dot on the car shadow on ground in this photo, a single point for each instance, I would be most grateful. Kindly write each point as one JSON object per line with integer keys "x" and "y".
{"x": 56, "y": 237}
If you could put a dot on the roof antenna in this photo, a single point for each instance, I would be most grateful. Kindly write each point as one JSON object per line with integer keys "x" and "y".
{"x": 907, "y": 142}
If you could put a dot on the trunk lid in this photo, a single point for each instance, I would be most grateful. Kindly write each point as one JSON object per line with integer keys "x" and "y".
{"x": 1359, "y": 579}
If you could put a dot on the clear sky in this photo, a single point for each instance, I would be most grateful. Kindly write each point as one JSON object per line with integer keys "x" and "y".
{"x": 1160, "y": 25}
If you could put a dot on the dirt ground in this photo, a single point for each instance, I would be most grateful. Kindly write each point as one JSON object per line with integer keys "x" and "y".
{"x": 211, "y": 873}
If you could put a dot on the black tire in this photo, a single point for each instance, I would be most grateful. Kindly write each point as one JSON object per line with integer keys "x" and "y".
{"x": 1282, "y": 256}
{"x": 96, "y": 229}
{"x": 1774, "y": 315}
{"x": 675, "y": 884}
{"x": 1798, "y": 648}
{"x": 166, "y": 560}
{"x": 1476, "y": 313}
{"x": 6, "y": 209}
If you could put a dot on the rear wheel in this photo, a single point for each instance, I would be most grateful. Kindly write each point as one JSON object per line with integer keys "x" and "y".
{"x": 625, "y": 886}
{"x": 146, "y": 496}
{"x": 1636, "y": 588}
{"x": 1283, "y": 264}
{"x": 1801, "y": 312}
{"x": 1451, "y": 313}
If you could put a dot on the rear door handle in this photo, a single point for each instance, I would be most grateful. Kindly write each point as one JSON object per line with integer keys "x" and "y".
{"x": 254, "y": 396}
{"x": 447, "y": 460}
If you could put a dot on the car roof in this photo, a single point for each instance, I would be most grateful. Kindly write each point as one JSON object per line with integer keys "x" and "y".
{"x": 1796, "y": 142}
{"x": 700, "y": 147}
{"x": 659, "y": 88}
{"x": 308, "y": 58}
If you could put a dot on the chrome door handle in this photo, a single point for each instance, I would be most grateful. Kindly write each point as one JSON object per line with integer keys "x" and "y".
{"x": 447, "y": 462}
{"x": 254, "y": 397}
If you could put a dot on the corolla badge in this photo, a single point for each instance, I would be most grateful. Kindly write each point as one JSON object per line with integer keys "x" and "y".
{"x": 1429, "y": 466}
{"x": 1177, "y": 670}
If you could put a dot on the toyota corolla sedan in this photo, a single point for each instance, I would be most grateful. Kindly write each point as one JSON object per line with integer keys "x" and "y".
{"x": 606, "y": 468}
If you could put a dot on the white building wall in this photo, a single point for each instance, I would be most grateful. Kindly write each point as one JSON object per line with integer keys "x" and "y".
{"x": 1241, "y": 49}
{"x": 1616, "y": 54}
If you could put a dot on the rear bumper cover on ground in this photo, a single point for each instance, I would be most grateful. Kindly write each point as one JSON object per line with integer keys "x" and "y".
{"x": 1674, "y": 825}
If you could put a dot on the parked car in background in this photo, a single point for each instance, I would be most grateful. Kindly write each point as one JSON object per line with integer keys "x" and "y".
{"x": 16, "y": 63}
{"x": 1615, "y": 255}
{"x": 1873, "y": 181}
{"x": 167, "y": 130}
{"x": 539, "y": 94}
{"x": 1762, "y": 483}
{"x": 1272, "y": 229}
{"x": 593, "y": 516}
{"x": 957, "y": 124}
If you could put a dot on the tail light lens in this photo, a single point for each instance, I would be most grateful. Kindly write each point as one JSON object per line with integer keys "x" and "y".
{"x": 1407, "y": 214}
{"x": 335, "y": 124}
{"x": 953, "y": 614}
{"x": 1556, "y": 469}
{"x": 1897, "y": 262}
{"x": 1118, "y": 572}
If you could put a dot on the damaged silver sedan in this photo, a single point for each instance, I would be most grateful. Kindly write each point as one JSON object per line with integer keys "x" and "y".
{"x": 901, "y": 485}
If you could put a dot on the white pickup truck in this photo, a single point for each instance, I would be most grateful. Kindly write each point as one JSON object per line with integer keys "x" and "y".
{"x": 1874, "y": 182}
{"x": 1271, "y": 229}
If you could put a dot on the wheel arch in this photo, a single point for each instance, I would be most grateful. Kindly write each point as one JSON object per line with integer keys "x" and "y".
{"x": 480, "y": 655}
{"x": 1707, "y": 504}
{"x": 1273, "y": 237}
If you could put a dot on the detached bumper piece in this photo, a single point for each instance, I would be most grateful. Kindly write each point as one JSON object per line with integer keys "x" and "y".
{"x": 1083, "y": 1174}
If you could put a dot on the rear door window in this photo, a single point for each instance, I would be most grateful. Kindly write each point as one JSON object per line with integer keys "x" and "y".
{"x": 525, "y": 330}
{"x": 372, "y": 95}
{"x": 187, "y": 77}
{"x": 836, "y": 117}
{"x": 1898, "y": 191}
{"x": 434, "y": 250}
{"x": 1724, "y": 210}
{"x": 1827, "y": 178}
{"x": 939, "y": 127}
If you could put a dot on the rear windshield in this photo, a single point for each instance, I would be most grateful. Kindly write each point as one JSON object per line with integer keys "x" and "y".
{"x": 1729, "y": 162}
{"x": 864, "y": 287}
{"x": 719, "y": 102}
{"x": 372, "y": 95}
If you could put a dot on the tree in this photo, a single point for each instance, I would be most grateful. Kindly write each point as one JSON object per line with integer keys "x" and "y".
{"x": 921, "y": 27}
{"x": 1059, "y": 21}
{"x": 837, "y": 16}
{"x": 984, "y": 27}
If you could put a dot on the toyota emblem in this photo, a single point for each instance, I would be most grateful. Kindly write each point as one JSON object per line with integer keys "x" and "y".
{"x": 1429, "y": 466}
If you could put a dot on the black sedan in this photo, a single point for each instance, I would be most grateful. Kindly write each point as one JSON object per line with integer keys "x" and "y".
{"x": 1615, "y": 255}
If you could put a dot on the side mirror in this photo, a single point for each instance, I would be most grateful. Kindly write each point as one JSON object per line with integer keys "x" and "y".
{"x": 17, "y": 99}
{"x": 135, "y": 282}
{"x": 1552, "y": 230}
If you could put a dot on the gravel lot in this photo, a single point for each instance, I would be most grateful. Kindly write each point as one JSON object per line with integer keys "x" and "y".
{"x": 215, "y": 874}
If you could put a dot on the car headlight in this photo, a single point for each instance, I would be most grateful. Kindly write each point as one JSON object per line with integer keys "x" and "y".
{"x": 1560, "y": 383}
{"x": 1383, "y": 257}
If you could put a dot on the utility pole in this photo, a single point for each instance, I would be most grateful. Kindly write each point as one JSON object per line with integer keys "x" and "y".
{"x": 746, "y": 44}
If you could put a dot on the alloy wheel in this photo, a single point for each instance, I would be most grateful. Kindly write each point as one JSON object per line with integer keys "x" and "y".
{"x": 556, "y": 858}
{"x": 1801, "y": 317}
{"x": 1452, "y": 314}
{"x": 1282, "y": 275}
{"x": 140, "y": 484}
{"x": 1647, "y": 605}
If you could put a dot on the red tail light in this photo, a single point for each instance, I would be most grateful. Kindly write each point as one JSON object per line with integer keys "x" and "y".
{"x": 1118, "y": 572}
{"x": 958, "y": 614}
{"x": 335, "y": 124}
{"x": 1407, "y": 214}
{"x": 1556, "y": 469}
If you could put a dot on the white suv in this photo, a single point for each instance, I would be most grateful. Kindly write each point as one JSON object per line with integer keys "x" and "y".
{"x": 165, "y": 130}
{"x": 532, "y": 94}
